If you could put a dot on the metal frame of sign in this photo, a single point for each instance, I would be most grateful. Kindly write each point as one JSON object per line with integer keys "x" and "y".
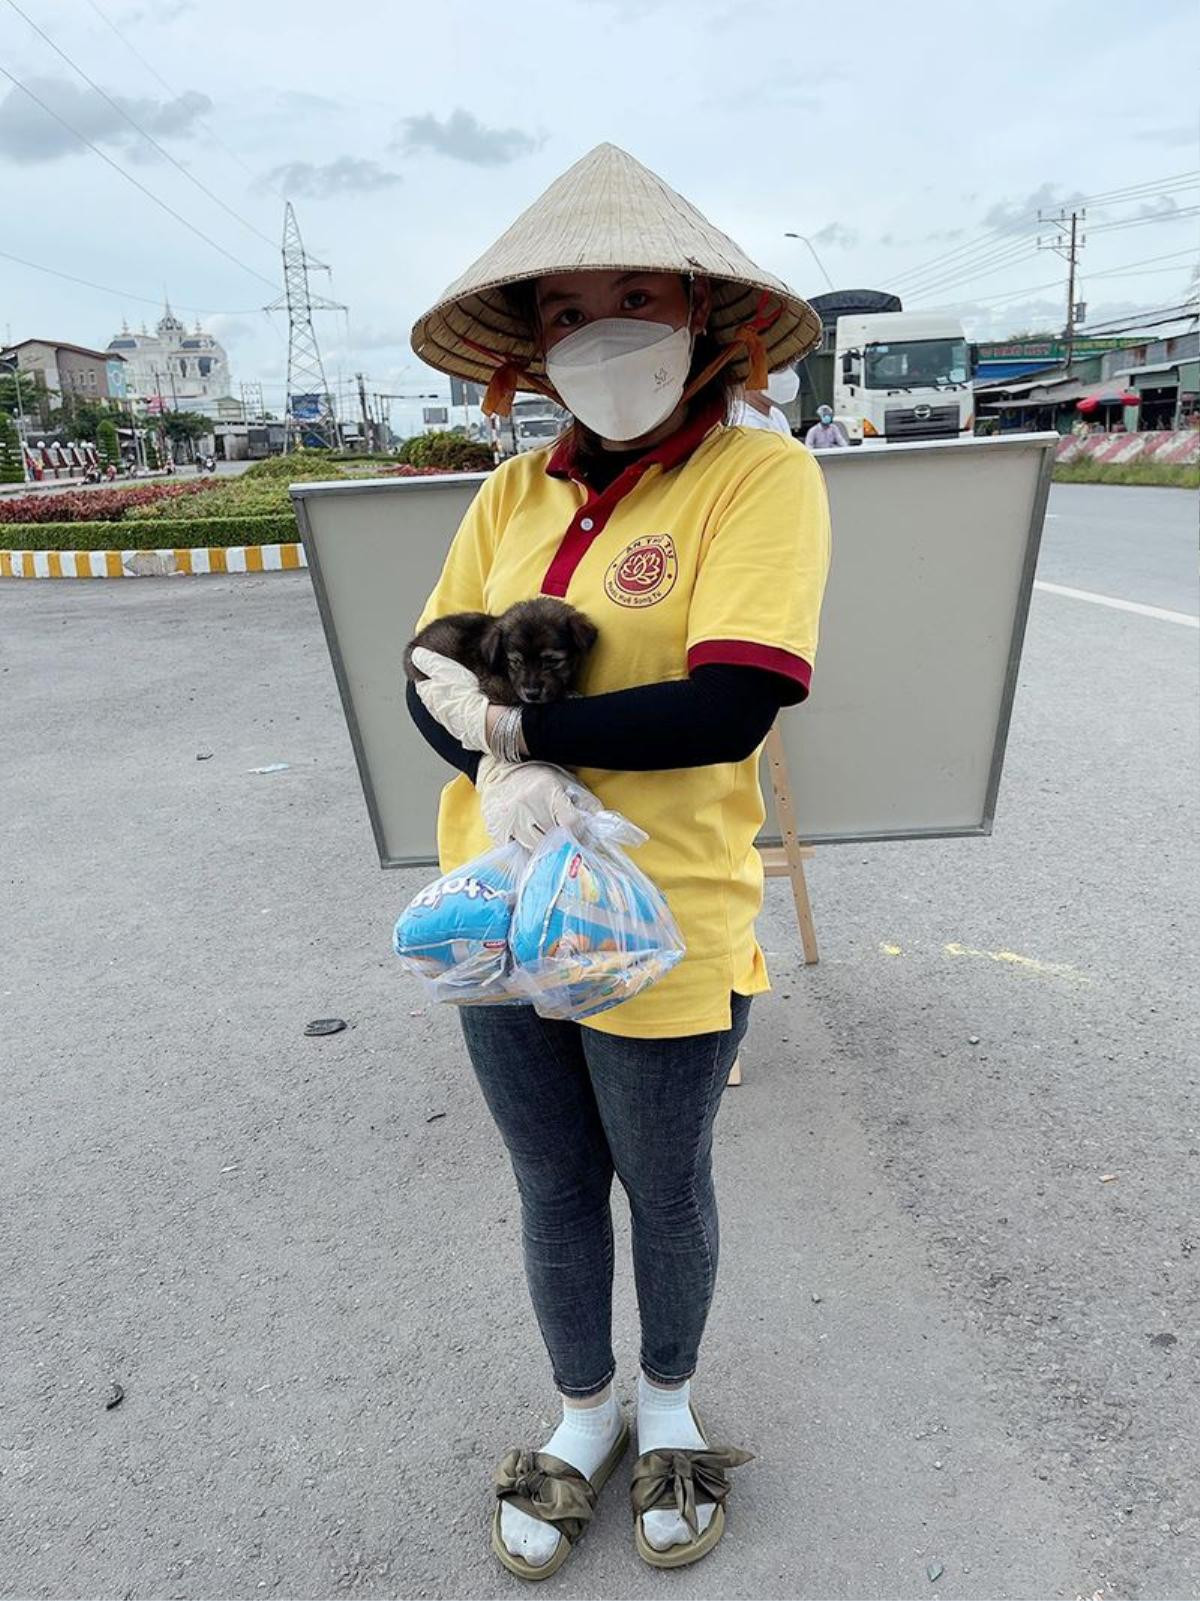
{"x": 302, "y": 493}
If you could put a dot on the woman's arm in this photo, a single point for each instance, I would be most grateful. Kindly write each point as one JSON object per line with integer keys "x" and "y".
{"x": 447, "y": 747}
{"x": 719, "y": 714}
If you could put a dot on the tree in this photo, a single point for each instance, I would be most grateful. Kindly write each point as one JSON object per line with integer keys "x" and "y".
{"x": 81, "y": 419}
{"x": 185, "y": 426}
{"x": 9, "y": 382}
{"x": 11, "y": 468}
{"x": 153, "y": 460}
{"x": 108, "y": 446}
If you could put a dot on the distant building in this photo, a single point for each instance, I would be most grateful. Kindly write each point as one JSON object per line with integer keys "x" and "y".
{"x": 65, "y": 372}
{"x": 172, "y": 369}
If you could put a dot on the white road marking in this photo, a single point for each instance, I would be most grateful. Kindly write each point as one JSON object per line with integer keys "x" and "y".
{"x": 1160, "y": 612}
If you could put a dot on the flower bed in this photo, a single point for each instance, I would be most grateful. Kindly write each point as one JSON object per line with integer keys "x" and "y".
{"x": 92, "y": 505}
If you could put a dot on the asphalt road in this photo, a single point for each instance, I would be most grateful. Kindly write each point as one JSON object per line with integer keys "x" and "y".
{"x": 958, "y": 1318}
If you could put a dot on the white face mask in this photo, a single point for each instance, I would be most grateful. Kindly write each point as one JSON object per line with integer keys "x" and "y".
{"x": 784, "y": 386}
{"x": 621, "y": 376}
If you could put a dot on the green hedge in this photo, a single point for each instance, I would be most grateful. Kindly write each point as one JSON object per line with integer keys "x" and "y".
{"x": 159, "y": 535}
{"x": 222, "y": 502}
{"x": 1163, "y": 474}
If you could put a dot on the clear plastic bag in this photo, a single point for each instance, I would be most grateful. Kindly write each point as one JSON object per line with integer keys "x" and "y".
{"x": 454, "y": 934}
{"x": 589, "y": 929}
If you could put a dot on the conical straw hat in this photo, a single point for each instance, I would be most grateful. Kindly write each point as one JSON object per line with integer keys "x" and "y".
{"x": 607, "y": 213}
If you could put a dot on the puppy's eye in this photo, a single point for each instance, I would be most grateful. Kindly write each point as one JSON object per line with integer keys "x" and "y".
{"x": 553, "y": 658}
{"x": 515, "y": 659}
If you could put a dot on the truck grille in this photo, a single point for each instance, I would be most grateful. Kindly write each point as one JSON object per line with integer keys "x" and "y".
{"x": 920, "y": 422}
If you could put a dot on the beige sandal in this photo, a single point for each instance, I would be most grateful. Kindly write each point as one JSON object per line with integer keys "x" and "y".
{"x": 552, "y": 1491}
{"x": 684, "y": 1480}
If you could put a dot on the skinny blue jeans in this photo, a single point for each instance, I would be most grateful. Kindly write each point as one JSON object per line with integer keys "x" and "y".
{"x": 573, "y": 1107}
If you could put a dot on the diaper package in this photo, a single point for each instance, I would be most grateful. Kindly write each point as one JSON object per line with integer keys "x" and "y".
{"x": 454, "y": 934}
{"x": 573, "y": 928}
{"x": 589, "y": 930}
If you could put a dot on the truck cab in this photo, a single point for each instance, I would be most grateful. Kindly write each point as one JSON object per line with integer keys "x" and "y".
{"x": 902, "y": 375}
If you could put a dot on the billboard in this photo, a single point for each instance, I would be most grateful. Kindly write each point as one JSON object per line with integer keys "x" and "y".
{"x": 436, "y": 416}
{"x": 306, "y": 408}
{"x": 114, "y": 378}
{"x": 464, "y": 393}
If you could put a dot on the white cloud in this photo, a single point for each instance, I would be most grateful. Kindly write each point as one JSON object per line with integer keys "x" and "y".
{"x": 1021, "y": 216}
{"x": 463, "y": 137}
{"x": 30, "y": 134}
{"x": 346, "y": 175}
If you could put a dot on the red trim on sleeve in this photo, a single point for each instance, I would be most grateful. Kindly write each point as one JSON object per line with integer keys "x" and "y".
{"x": 742, "y": 653}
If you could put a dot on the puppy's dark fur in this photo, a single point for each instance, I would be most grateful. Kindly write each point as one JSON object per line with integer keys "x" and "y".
{"x": 530, "y": 654}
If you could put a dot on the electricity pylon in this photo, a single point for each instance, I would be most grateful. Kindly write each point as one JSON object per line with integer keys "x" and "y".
{"x": 311, "y": 419}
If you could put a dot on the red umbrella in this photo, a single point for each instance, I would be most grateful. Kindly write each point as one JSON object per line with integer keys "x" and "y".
{"x": 1108, "y": 397}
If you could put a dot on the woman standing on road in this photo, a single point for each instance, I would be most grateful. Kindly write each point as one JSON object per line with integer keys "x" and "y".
{"x": 700, "y": 552}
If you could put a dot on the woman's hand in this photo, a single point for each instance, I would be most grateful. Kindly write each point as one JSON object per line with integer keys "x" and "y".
{"x": 525, "y": 801}
{"x": 451, "y": 694}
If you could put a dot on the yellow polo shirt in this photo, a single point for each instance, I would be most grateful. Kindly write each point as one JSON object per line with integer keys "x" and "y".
{"x": 713, "y": 547}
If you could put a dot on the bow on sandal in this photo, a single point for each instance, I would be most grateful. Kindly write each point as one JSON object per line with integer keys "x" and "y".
{"x": 680, "y": 1481}
{"x": 552, "y": 1491}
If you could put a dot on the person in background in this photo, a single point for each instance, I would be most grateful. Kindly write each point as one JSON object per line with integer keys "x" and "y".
{"x": 759, "y": 408}
{"x": 824, "y": 431}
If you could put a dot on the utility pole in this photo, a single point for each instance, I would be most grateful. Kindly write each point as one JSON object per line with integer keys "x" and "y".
{"x": 1067, "y": 241}
{"x": 309, "y": 406}
{"x": 366, "y": 416}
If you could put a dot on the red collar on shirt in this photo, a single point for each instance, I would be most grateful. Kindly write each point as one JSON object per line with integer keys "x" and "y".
{"x": 590, "y": 519}
{"x": 666, "y": 454}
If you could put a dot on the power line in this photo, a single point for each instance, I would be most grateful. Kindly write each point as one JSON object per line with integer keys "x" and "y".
{"x": 1151, "y": 319}
{"x": 172, "y": 90}
{"x": 127, "y": 294}
{"x": 1028, "y": 221}
{"x": 1146, "y": 222}
{"x": 1130, "y": 269}
{"x": 964, "y": 272}
{"x": 1004, "y": 256}
{"x": 133, "y": 123}
{"x": 116, "y": 166}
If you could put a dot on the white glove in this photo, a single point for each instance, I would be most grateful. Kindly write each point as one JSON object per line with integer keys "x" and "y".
{"x": 528, "y": 799}
{"x": 452, "y": 695}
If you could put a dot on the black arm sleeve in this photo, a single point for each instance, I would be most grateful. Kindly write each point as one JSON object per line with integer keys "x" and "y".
{"x": 447, "y": 747}
{"x": 719, "y": 714}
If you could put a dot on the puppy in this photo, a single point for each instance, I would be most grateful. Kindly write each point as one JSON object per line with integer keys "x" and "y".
{"x": 530, "y": 654}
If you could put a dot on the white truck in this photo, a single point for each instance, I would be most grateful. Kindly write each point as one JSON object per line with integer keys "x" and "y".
{"x": 535, "y": 422}
{"x": 888, "y": 374}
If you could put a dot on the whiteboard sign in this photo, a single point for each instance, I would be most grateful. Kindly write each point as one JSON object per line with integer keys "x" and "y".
{"x": 934, "y": 550}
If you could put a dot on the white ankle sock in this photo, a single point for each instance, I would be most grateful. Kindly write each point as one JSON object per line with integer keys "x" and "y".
{"x": 584, "y": 1438}
{"x": 665, "y": 1423}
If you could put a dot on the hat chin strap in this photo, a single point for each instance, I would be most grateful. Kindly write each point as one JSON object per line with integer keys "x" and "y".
{"x": 498, "y": 398}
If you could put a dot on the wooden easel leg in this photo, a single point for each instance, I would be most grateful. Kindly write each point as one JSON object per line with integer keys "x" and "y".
{"x": 794, "y": 852}
{"x": 786, "y": 862}
{"x": 804, "y": 916}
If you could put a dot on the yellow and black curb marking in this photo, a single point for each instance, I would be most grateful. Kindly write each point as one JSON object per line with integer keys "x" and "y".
{"x": 150, "y": 563}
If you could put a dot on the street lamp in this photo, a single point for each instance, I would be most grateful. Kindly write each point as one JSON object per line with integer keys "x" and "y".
{"x": 804, "y": 240}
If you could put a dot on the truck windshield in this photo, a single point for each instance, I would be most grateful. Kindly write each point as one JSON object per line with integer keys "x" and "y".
{"x": 916, "y": 364}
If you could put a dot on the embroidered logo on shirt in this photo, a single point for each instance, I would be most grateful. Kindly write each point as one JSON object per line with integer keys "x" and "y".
{"x": 644, "y": 573}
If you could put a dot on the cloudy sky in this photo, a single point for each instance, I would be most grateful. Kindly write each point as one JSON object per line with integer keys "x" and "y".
{"x": 913, "y": 145}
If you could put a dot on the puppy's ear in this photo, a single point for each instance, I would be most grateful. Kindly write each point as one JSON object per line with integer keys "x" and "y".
{"x": 492, "y": 646}
{"x": 583, "y": 631}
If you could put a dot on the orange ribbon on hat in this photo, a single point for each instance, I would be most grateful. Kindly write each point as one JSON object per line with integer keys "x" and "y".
{"x": 508, "y": 374}
{"x": 748, "y": 337}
